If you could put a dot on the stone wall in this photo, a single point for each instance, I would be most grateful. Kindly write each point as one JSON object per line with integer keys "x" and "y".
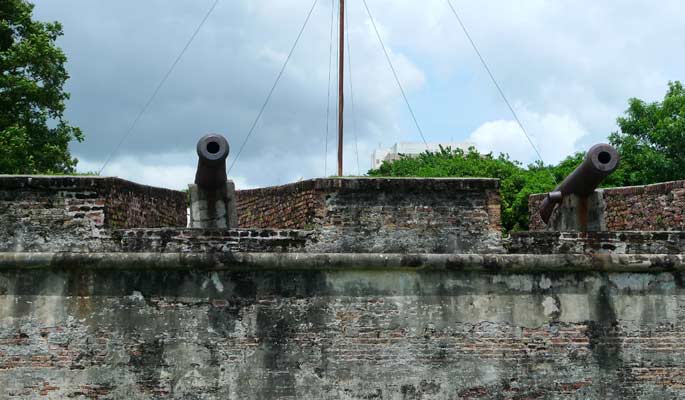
{"x": 91, "y": 214}
{"x": 206, "y": 241}
{"x": 657, "y": 207}
{"x": 292, "y": 206}
{"x": 131, "y": 205}
{"x": 382, "y": 215}
{"x": 401, "y": 290}
{"x": 62, "y": 210}
{"x": 135, "y": 333}
{"x": 611, "y": 243}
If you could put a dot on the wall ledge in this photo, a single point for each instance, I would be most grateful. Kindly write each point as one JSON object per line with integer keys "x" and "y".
{"x": 486, "y": 263}
{"x": 357, "y": 183}
{"x": 68, "y": 182}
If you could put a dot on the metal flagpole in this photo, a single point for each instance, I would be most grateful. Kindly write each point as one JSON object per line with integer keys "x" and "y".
{"x": 341, "y": 74}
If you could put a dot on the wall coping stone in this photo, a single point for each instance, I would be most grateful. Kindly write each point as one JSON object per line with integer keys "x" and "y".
{"x": 372, "y": 183}
{"x": 72, "y": 182}
{"x": 484, "y": 263}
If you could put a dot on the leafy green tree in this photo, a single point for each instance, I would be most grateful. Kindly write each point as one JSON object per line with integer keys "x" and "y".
{"x": 34, "y": 136}
{"x": 516, "y": 182}
{"x": 651, "y": 143}
{"x": 651, "y": 140}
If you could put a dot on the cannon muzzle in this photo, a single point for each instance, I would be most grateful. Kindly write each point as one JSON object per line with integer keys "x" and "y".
{"x": 212, "y": 151}
{"x": 600, "y": 161}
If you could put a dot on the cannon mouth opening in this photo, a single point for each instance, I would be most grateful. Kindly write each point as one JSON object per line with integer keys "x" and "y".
{"x": 604, "y": 157}
{"x": 213, "y": 147}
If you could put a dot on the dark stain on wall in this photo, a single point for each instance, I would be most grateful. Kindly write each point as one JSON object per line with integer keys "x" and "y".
{"x": 603, "y": 333}
{"x": 605, "y": 336}
{"x": 147, "y": 361}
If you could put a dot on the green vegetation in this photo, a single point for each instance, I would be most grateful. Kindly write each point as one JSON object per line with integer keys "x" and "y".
{"x": 34, "y": 136}
{"x": 651, "y": 143}
{"x": 516, "y": 182}
{"x": 651, "y": 140}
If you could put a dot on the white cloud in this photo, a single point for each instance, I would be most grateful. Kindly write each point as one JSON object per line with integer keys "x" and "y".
{"x": 569, "y": 66}
{"x": 172, "y": 171}
{"x": 555, "y": 136}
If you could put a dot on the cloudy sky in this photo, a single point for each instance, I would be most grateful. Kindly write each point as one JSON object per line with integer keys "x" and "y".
{"x": 568, "y": 68}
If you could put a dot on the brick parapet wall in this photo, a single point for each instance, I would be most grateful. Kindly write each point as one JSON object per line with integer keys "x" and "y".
{"x": 62, "y": 211}
{"x": 132, "y": 205}
{"x": 535, "y": 222}
{"x": 648, "y": 208}
{"x": 382, "y": 214}
{"x": 656, "y": 207}
{"x": 302, "y": 204}
{"x": 293, "y": 206}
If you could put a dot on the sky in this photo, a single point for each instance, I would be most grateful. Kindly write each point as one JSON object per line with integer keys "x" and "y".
{"x": 567, "y": 67}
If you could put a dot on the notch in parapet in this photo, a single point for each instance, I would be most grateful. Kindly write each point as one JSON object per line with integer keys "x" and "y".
{"x": 212, "y": 197}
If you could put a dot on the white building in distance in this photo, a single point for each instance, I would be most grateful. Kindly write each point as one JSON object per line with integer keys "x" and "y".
{"x": 411, "y": 149}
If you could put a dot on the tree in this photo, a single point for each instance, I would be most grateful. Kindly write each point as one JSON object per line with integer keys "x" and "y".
{"x": 34, "y": 136}
{"x": 651, "y": 140}
{"x": 516, "y": 182}
{"x": 651, "y": 143}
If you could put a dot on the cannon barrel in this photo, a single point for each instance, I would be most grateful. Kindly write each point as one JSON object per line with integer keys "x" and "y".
{"x": 212, "y": 151}
{"x": 600, "y": 161}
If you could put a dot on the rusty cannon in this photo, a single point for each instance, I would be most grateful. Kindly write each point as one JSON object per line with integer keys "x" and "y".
{"x": 600, "y": 161}
{"x": 212, "y": 151}
{"x": 212, "y": 197}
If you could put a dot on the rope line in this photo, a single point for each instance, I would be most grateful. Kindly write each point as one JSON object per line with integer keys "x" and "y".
{"x": 387, "y": 57}
{"x": 494, "y": 81}
{"x": 349, "y": 68}
{"x": 273, "y": 87}
{"x": 158, "y": 88}
{"x": 328, "y": 95}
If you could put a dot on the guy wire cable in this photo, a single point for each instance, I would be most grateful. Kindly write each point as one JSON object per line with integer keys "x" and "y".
{"x": 273, "y": 87}
{"x": 349, "y": 68}
{"x": 499, "y": 89}
{"x": 328, "y": 95}
{"x": 159, "y": 86}
{"x": 394, "y": 73}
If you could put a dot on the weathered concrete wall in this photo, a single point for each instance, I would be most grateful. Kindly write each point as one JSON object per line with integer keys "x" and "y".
{"x": 383, "y": 215}
{"x": 401, "y": 291}
{"x": 340, "y": 334}
{"x": 657, "y": 207}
